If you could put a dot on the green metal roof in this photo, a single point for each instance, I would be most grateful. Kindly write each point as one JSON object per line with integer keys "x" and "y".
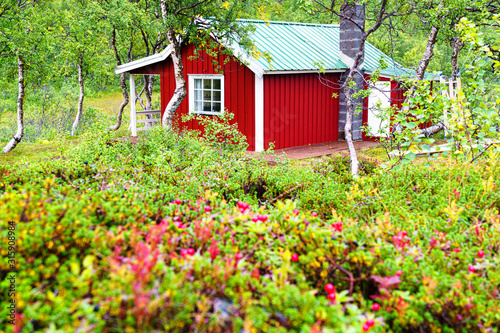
{"x": 300, "y": 46}
{"x": 296, "y": 46}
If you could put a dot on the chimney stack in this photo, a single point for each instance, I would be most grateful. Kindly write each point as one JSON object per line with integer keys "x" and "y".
{"x": 350, "y": 40}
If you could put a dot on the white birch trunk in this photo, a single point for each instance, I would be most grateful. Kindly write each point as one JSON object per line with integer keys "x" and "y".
{"x": 180, "y": 83}
{"x": 348, "y": 133}
{"x": 148, "y": 89}
{"x": 79, "y": 113}
{"x": 20, "y": 108}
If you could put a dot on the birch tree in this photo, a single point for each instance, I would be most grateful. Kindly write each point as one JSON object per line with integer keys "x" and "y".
{"x": 22, "y": 35}
{"x": 135, "y": 32}
{"x": 206, "y": 24}
{"x": 84, "y": 47}
{"x": 378, "y": 13}
{"x": 440, "y": 19}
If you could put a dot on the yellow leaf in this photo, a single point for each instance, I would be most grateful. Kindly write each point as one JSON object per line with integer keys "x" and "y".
{"x": 75, "y": 268}
{"x": 50, "y": 296}
{"x": 88, "y": 261}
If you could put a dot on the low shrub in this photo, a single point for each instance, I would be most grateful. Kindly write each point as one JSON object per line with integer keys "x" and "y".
{"x": 172, "y": 235}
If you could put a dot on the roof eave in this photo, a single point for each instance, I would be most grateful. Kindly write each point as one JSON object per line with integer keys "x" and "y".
{"x": 144, "y": 61}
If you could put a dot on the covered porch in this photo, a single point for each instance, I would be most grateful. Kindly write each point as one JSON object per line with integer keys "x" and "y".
{"x": 147, "y": 118}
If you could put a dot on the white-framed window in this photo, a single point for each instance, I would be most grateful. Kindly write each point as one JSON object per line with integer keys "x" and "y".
{"x": 206, "y": 94}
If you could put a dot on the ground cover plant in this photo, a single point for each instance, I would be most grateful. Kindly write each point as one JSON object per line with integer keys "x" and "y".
{"x": 173, "y": 235}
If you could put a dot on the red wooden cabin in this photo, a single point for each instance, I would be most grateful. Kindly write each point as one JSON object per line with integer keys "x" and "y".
{"x": 286, "y": 101}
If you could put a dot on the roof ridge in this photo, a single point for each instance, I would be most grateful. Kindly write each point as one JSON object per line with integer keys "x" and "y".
{"x": 288, "y": 23}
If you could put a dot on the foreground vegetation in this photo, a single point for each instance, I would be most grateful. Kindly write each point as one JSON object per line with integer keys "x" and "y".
{"x": 172, "y": 234}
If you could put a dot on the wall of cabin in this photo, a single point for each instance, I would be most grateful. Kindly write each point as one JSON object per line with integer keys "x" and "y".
{"x": 239, "y": 85}
{"x": 300, "y": 110}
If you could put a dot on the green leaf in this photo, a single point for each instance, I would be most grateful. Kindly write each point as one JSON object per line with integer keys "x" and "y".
{"x": 411, "y": 125}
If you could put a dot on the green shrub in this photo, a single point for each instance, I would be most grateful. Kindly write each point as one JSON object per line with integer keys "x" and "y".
{"x": 103, "y": 242}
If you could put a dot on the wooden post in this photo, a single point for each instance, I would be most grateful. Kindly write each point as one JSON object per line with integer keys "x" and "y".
{"x": 133, "y": 115}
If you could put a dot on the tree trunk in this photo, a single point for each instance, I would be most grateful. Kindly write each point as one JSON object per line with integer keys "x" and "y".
{"x": 433, "y": 129}
{"x": 148, "y": 85}
{"x": 20, "y": 108}
{"x": 150, "y": 80}
{"x": 180, "y": 83}
{"x": 123, "y": 84}
{"x": 79, "y": 113}
{"x": 420, "y": 71}
{"x": 454, "y": 57}
{"x": 348, "y": 132}
{"x": 428, "y": 54}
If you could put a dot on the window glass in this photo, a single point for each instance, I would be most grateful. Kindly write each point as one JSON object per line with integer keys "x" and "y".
{"x": 198, "y": 95}
{"x": 217, "y": 97}
{"x": 198, "y": 105}
{"x": 207, "y": 84}
{"x": 207, "y": 106}
{"x": 207, "y": 95}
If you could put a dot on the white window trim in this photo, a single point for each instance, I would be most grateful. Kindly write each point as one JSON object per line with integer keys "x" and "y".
{"x": 191, "y": 78}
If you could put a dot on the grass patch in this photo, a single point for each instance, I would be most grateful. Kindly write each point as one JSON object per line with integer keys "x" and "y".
{"x": 27, "y": 152}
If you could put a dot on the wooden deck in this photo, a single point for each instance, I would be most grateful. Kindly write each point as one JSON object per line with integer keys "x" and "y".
{"x": 319, "y": 149}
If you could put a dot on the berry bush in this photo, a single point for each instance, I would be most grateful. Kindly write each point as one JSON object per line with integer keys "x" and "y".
{"x": 173, "y": 235}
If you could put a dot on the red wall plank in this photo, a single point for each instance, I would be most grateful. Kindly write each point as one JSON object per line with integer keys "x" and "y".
{"x": 239, "y": 85}
{"x": 299, "y": 110}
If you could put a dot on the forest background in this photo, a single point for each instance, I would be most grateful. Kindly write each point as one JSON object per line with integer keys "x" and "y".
{"x": 71, "y": 47}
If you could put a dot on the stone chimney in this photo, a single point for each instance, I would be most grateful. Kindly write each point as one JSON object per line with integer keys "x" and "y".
{"x": 350, "y": 39}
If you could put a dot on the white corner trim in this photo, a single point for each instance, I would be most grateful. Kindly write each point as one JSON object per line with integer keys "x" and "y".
{"x": 191, "y": 78}
{"x": 259, "y": 113}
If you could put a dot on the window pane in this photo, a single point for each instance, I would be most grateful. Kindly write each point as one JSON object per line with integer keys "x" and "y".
{"x": 198, "y": 96}
{"x": 207, "y": 95}
{"x": 207, "y": 84}
{"x": 217, "y": 84}
{"x": 217, "y": 96}
{"x": 198, "y": 83}
{"x": 207, "y": 106}
{"x": 198, "y": 106}
{"x": 217, "y": 107}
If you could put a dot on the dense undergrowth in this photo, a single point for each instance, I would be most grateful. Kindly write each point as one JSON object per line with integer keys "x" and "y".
{"x": 173, "y": 235}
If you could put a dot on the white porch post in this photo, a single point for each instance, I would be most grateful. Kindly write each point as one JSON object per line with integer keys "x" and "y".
{"x": 259, "y": 113}
{"x": 133, "y": 116}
